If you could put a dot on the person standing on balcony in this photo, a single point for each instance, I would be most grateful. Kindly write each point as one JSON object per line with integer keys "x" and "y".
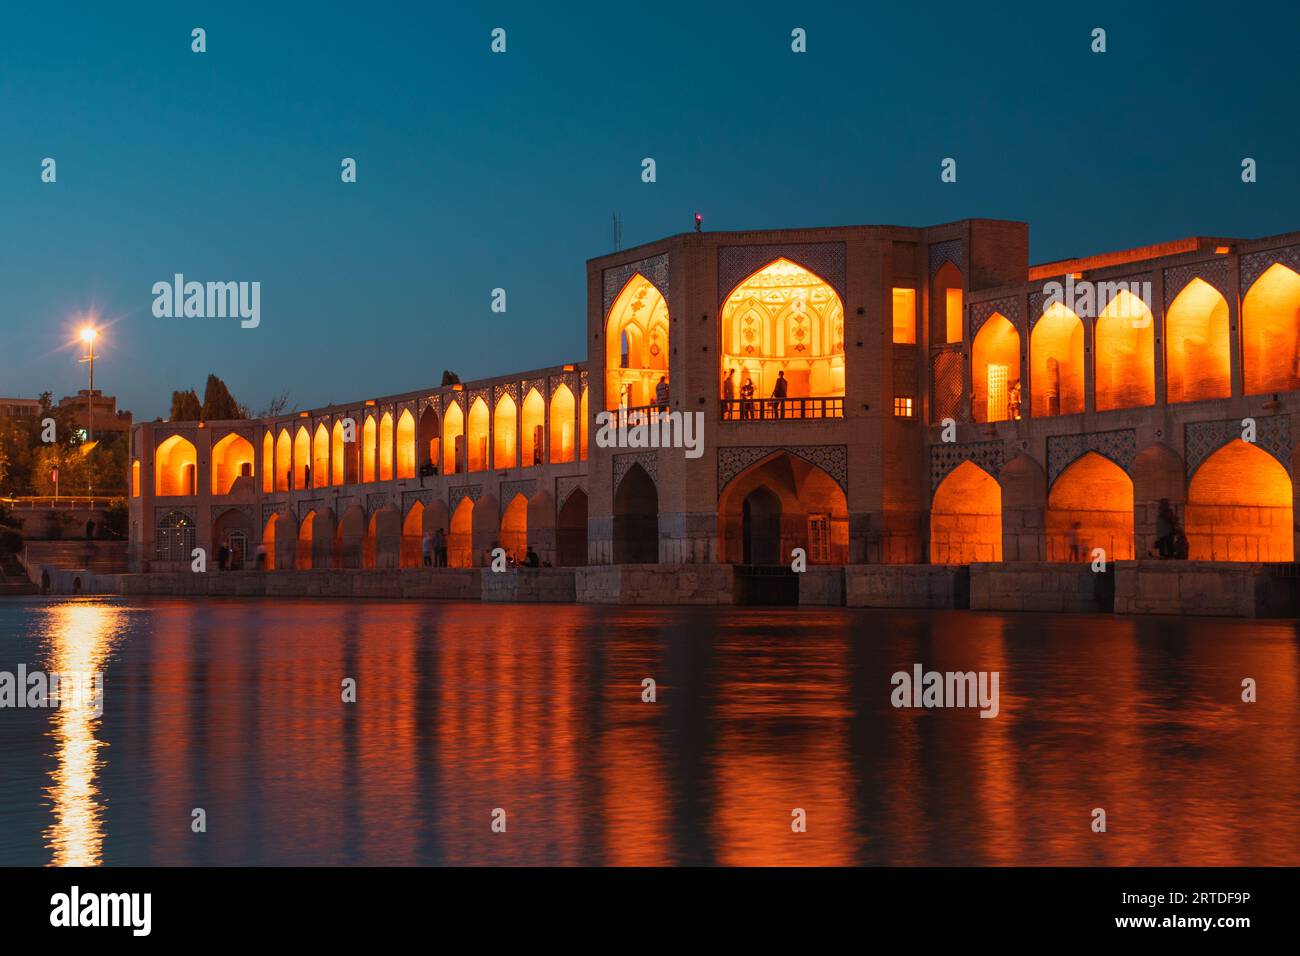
{"x": 779, "y": 391}
{"x": 661, "y": 391}
{"x": 728, "y": 393}
{"x": 747, "y": 398}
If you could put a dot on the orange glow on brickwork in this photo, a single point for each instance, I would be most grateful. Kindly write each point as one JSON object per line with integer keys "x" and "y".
{"x": 229, "y": 458}
{"x": 175, "y": 464}
{"x": 1270, "y": 332}
{"x": 1240, "y": 507}
{"x": 1196, "y": 345}
{"x": 1125, "y": 350}
{"x": 966, "y": 517}
{"x": 1056, "y": 363}
{"x": 1095, "y": 494}
{"x": 995, "y": 370}
{"x": 636, "y": 344}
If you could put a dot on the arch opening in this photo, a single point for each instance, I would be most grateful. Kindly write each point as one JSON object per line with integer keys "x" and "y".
{"x": 1196, "y": 345}
{"x": 995, "y": 371}
{"x": 175, "y": 468}
{"x": 1125, "y": 373}
{"x": 636, "y": 519}
{"x": 636, "y": 344}
{"x": 1090, "y": 506}
{"x": 1270, "y": 332}
{"x": 1056, "y": 363}
{"x": 505, "y": 423}
{"x": 966, "y": 517}
{"x": 453, "y": 440}
{"x": 232, "y": 459}
{"x": 1240, "y": 507}
{"x": 778, "y": 504}
{"x": 477, "y": 442}
{"x": 571, "y": 531}
{"x": 533, "y": 433}
{"x": 406, "y": 444}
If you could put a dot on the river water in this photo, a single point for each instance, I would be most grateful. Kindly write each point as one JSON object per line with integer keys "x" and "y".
{"x": 228, "y": 716}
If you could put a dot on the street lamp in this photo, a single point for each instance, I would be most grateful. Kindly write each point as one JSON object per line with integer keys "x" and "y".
{"x": 88, "y": 335}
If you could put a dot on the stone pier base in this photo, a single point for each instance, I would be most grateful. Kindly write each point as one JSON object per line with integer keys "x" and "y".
{"x": 1041, "y": 586}
{"x": 1218, "y": 588}
{"x": 822, "y": 586}
{"x": 938, "y": 586}
{"x": 529, "y": 585}
{"x": 458, "y": 584}
{"x": 655, "y": 584}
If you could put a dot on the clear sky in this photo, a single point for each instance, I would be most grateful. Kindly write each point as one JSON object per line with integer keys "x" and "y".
{"x": 478, "y": 171}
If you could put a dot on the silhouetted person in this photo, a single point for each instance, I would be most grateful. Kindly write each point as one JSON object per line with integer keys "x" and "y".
{"x": 440, "y": 549}
{"x": 306, "y": 476}
{"x": 426, "y": 549}
{"x": 1076, "y": 546}
{"x": 728, "y": 393}
{"x": 223, "y": 556}
{"x": 661, "y": 391}
{"x": 747, "y": 397}
{"x": 530, "y": 558}
{"x": 90, "y": 528}
{"x": 779, "y": 391}
{"x": 1166, "y": 522}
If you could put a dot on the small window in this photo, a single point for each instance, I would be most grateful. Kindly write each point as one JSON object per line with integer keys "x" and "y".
{"x": 902, "y": 406}
{"x": 953, "y": 315}
{"x": 819, "y": 538}
{"x": 904, "y": 316}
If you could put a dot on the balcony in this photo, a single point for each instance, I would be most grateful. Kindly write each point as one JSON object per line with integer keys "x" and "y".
{"x": 781, "y": 409}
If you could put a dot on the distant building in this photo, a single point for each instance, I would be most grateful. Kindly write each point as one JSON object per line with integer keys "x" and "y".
{"x": 102, "y": 407}
{"x": 19, "y": 407}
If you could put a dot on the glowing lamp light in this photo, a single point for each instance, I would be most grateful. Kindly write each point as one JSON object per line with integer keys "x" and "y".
{"x": 88, "y": 334}
{"x": 699, "y": 220}
{"x": 1222, "y": 250}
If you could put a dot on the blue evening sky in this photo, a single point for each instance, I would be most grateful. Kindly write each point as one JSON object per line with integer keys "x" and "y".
{"x": 479, "y": 170}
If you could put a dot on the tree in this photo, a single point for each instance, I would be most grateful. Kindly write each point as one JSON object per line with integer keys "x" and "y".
{"x": 218, "y": 403}
{"x": 278, "y": 406}
{"x": 186, "y": 407}
{"x": 449, "y": 378}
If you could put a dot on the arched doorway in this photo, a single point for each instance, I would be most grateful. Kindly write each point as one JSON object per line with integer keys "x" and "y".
{"x": 460, "y": 541}
{"x": 1240, "y": 507}
{"x": 571, "y": 531}
{"x": 761, "y": 526}
{"x": 1270, "y": 332}
{"x": 1125, "y": 372}
{"x": 428, "y": 445}
{"x": 232, "y": 459}
{"x": 966, "y": 517}
{"x": 1056, "y": 363}
{"x": 778, "y": 504}
{"x": 1090, "y": 506}
{"x": 175, "y": 467}
{"x": 995, "y": 371}
{"x": 1196, "y": 344}
{"x": 636, "y": 519}
{"x": 636, "y": 344}
{"x": 514, "y": 527}
{"x": 234, "y": 529}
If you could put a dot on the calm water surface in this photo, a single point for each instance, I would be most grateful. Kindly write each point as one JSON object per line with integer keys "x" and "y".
{"x": 234, "y": 707}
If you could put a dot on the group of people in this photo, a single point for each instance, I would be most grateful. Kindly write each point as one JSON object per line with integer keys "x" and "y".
{"x": 1171, "y": 540}
{"x": 780, "y": 389}
{"x": 433, "y": 549}
{"x": 230, "y": 558}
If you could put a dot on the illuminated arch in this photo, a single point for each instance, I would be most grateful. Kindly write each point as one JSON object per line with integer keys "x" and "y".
{"x": 476, "y": 442}
{"x": 533, "y": 440}
{"x": 562, "y": 422}
{"x": 304, "y": 550}
{"x": 636, "y": 344}
{"x": 1270, "y": 332}
{"x": 1097, "y": 495}
{"x": 175, "y": 468}
{"x": 453, "y": 440}
{"x": 784, "y": 318}
{"x": 571, "y": 531}
{"x": 1240, "y": 507}
{"x": 947, "y": 317}
{"x": 368, "y": 436}
{"x": 995, "y": 371}
{"x": 504, "y": 425}
{"x": 1125, "y": 372}
{"x": 338, "y": 454}
{"x": 406, "y": 444}
{"x": 582, "y": 427}
{"x": 320, "y": 457}
{"x": 283, "y": 460}
{"x": 386, "y": 447}
{"x": 1056, "y": 363}
{"x": 350, "y": 538}
{"x": 460, "y": 540}
{"x": 232, "y": 458}
{"x": 1196, "y": 345}
{"x": 301, "y": 456}
{"x": 966, "y": 517}
{"x": 777, "y": 504}
{"x": 268, "y": 463}
{"x": 514, "y": 528}
{"x": 135, "y": 478}
{"x": 429, "y": 435}
{"x": 413, "y": 537}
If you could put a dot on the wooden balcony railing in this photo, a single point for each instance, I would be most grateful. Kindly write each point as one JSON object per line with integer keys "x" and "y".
{"x": 780, "y": 409}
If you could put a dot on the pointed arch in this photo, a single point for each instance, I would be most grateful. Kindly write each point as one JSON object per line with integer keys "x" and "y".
{"x": 636, "y": 343}
{"x": 232, "y": 459}
{"x": 1196, "y": 345}
{"x": 430, "y": 431}
{"x": 784, "y": 321}
{"x": 236, "y": 531}
{"x": 514, "y": 527}
{"x": 1270, "y": 332}
{"x": 504, "y": 426}
{"x": 582, "y": 427}
{"x": 1124, "y": 371}
{"x": 175, "y": 468}
{"x": 476, "y": 442}
{"x": 966, "y": 517}
{"x": 995, "y": 371}
{"x": 369, "y": 437}
{"x": 460, "y": 540}
{"x": 283, "y": 460}
{"x": 306, "y": 529}
{"x": 533, "y": 430}
{"x": 1240, "y": 507}
{"x": 782, "y": 502}
{"x": 563, "y": 417}
{"x": 571, "y": 531}
{"x": 338, "y": 453}
{"x": 413, "y": 536}
{"x": 453, "y": 440}
{"x": 268, "y": 463}
{"x": 1089, "y": 506}
{"x": 350, "y": 538}
{"x": 386, "y": 447}
{"x": 320, "y": 457}
{"x": 1056, "y": 363}
{"x": 383, "y": 544}
{"x": 406, "y": 444}
{"x": 301, "y": 457}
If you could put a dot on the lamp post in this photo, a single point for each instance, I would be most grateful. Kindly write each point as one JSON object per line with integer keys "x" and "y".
{"x": 88, "y": 335}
